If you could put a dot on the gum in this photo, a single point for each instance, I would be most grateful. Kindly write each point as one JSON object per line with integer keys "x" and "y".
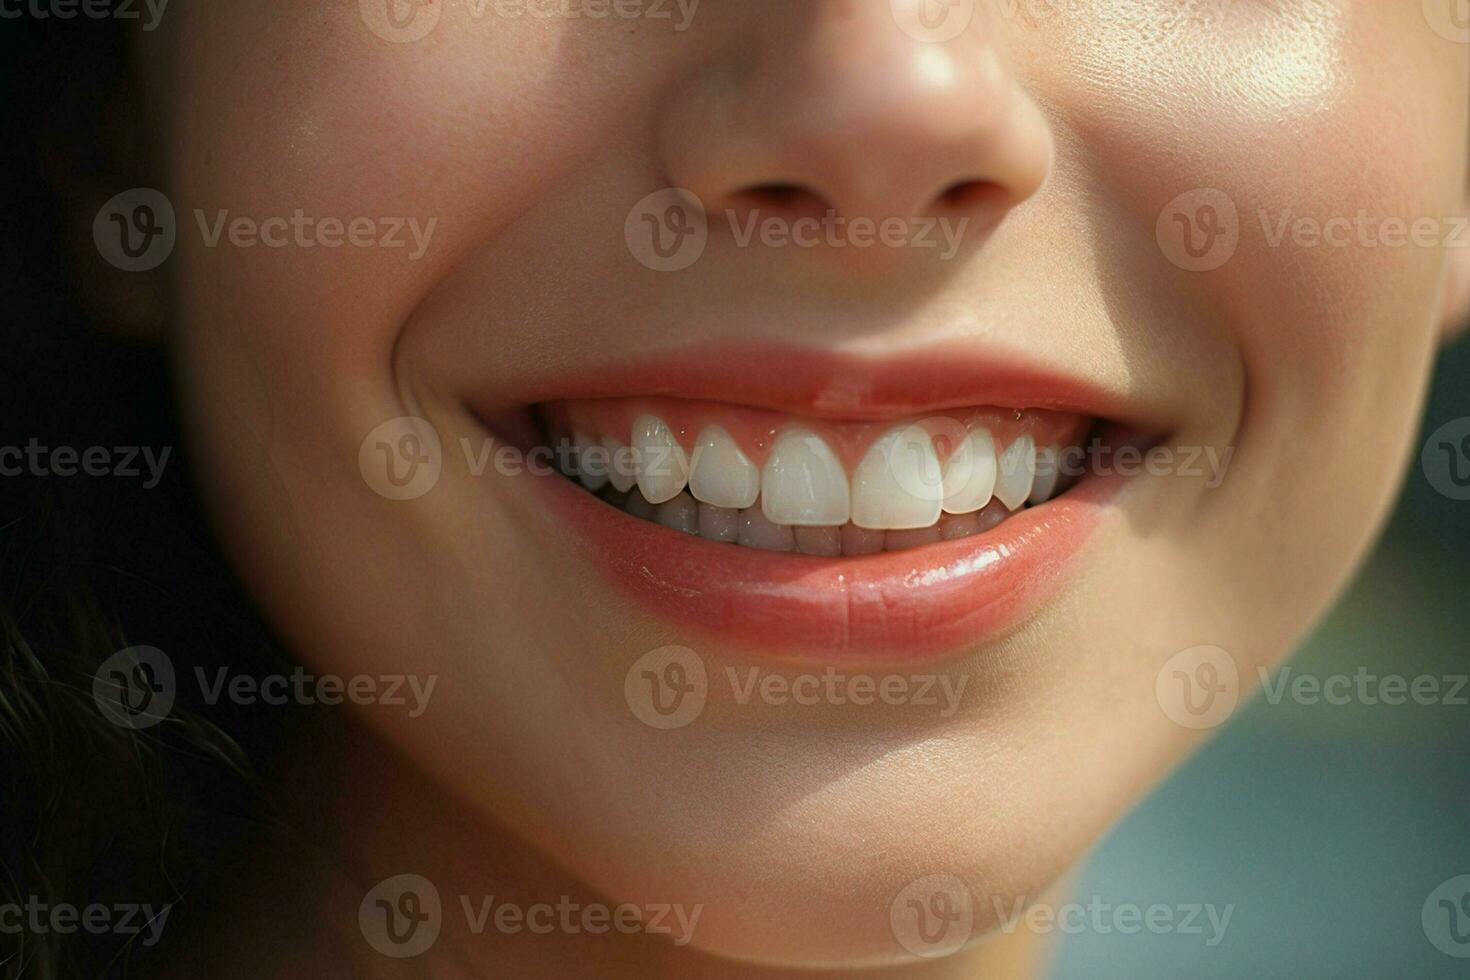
{"x": 755, "y": 430}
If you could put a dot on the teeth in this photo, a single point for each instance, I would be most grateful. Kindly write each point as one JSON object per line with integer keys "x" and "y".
{"x": 803, "y": 482}
{"x": 861, "y": 540}
{"x": 952, "y": 526}
{"x": 900, "y": 496}
{"x": 663, "y": 469}
{"x": 621, "y": 469}
{"x": 992, "y": 515}
{"x": 898, "y": 484}
{"x": 903, "y": 540}
{"x": 1017, "y": 469}
{"x": 969, "y": 473}
{"x": 719, "y": 523}
{"x": 1048, "y": 474}
{"x": 593, "y": 462}
{"x": 757, "y": 531}
{"x": 722, "y": 475}
{"x": 819, "y": 541}
{"x": 680, "y": 514}
{"x": 640, "y": 507}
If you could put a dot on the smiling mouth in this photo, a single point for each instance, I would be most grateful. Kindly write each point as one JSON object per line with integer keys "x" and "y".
{"x": 806, "y": 506}
{"x": 772, "y": 482}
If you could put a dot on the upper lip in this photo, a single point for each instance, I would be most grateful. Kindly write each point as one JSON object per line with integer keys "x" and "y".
{"x": 836, "y": 385}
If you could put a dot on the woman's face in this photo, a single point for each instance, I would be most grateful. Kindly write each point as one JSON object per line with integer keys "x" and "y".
{"x": 1217, "y": 228}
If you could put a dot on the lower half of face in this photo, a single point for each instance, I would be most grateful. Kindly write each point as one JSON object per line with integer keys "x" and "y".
{"x": 808, "y": 575}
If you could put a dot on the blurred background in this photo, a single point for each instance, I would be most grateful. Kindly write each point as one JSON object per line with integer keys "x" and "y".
{"x": 1327, "y": 826}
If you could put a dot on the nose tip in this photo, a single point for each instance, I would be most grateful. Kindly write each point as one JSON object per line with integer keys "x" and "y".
{"x": 849, "y": 114}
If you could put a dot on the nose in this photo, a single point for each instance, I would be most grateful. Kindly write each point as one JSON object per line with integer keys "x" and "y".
{"x": 833, "y": 107}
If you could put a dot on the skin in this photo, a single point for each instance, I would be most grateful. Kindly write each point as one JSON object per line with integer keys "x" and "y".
{"x": 529, "y": 140}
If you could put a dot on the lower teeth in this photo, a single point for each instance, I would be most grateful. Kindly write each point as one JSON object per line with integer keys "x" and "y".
{"x": 751, "y": 529}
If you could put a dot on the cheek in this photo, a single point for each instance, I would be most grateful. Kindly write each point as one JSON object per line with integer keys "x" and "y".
{"x": 440, "y": 144}
{"x": 1319, "y": 132}
{"x": 1325, "y": 133}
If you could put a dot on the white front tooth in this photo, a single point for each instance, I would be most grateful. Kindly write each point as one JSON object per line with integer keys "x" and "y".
{"x": 898, "y": 483}
{"x": 914, "y": 538}
{"x": 663, "y": 469}
{"x": 680, "y": 514}
{"x": 593, "y": 462}
{"x": 860, "y": 540}
{"x": 825, "y": 541}
{"x": 1048, "y": 473}
{"x": 621, "y": 466}
{"x": 719, "y": 523}
{"x": 803, "y": 483}
{"x": 721, "y": 474}
{"x": 1017, "y": 469}
{"x": 969, "y": 473}
{"x": 757, "y": 531}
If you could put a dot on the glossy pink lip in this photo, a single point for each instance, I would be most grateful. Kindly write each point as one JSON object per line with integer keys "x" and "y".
{"x": 892, "y": 608}
{"x": 904, "y": 607}
{"x": 825, "y": 384}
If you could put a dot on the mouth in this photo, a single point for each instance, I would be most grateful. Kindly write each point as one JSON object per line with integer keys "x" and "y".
{"x": 772, "y": 482}
{"x": 861, "y": 530}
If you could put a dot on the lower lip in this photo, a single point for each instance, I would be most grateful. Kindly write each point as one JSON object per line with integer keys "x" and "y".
{"x": 899, "y": 607}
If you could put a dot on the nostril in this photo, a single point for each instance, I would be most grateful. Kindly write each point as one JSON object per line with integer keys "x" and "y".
{"x": 972, "y": 195}
{"x": 788, "y": 200}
